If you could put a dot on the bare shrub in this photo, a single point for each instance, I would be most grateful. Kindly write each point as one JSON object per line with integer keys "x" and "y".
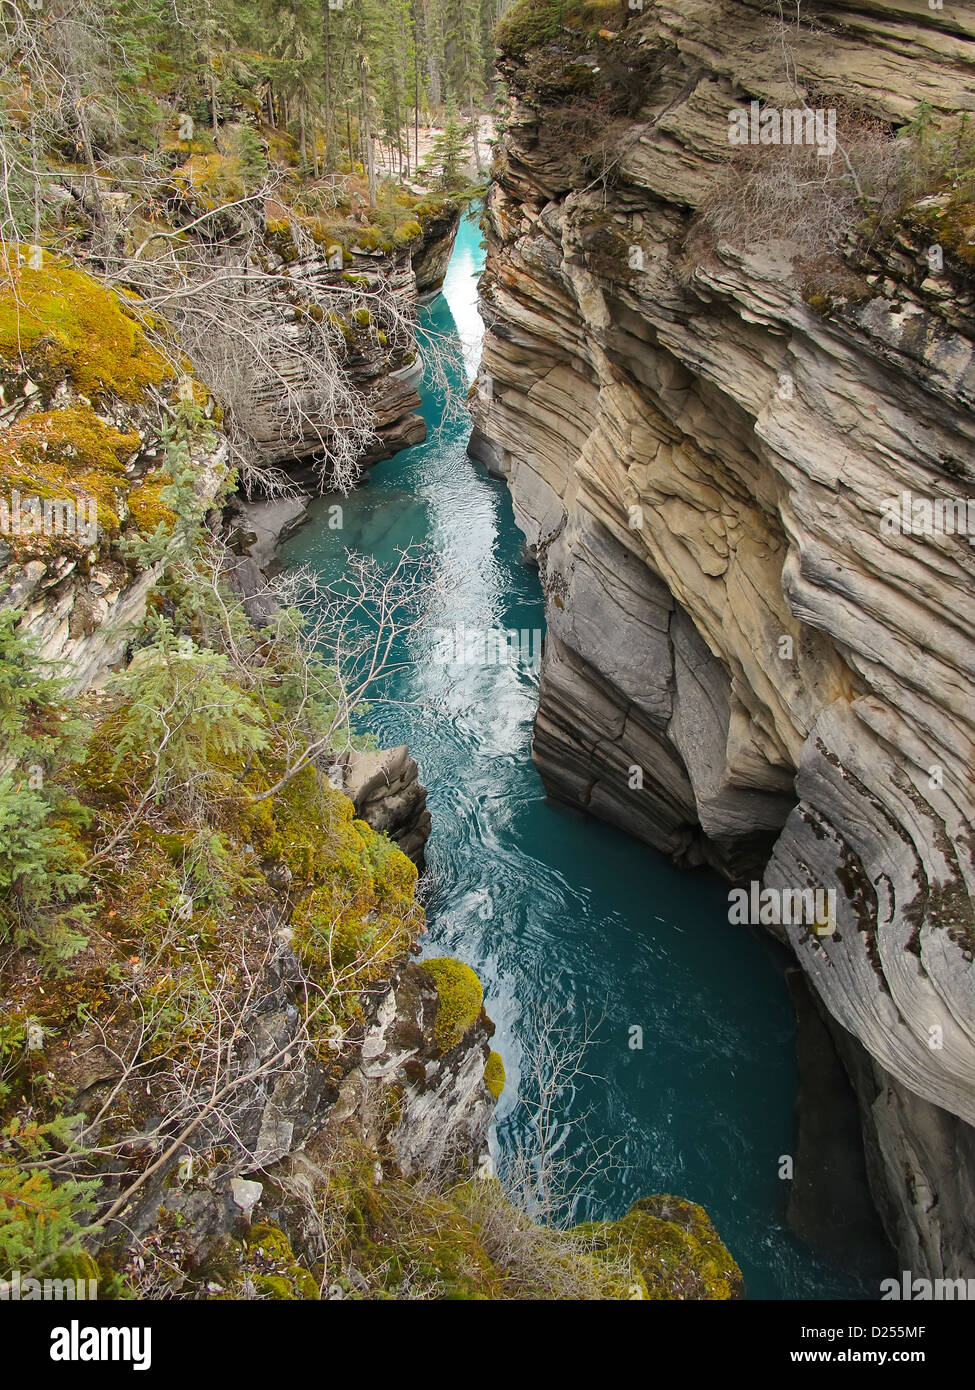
{"x": 542, "y": 1262}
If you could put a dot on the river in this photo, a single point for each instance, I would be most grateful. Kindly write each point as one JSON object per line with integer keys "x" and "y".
{"x": 547, "y": 906}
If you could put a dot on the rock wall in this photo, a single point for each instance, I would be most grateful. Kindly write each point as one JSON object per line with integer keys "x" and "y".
{"x": 379, "y": 354}
{"x": 420, "y": 1105}
{"x": 432, "y": 255}
{"x": 384, "y": 787}
{"x": 699, "y": 448}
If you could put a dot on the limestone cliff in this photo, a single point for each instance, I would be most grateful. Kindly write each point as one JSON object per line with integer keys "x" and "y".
{"x": 743, "y": 665}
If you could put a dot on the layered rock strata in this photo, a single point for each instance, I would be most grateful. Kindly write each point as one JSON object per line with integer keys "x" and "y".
{"x": 385, "y": 789}
{"x": 431, "y": 255}
{"x": 700, "y": 449}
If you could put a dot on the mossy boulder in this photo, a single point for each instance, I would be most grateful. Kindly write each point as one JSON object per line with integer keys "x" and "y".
{"x": 674, "y": 1248}
{"x": 406, "y": 232}
{"x": 459, "y": 999}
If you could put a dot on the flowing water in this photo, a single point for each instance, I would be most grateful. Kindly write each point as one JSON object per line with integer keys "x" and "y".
{"x": 547, "y": 906}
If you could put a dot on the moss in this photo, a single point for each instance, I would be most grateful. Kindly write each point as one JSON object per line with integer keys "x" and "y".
{"x": 543, "y": 1262}
{"x": 342, "y": 324}
{"x": 527, "y": 25}
{"x": 75, "y": 1264}
{"x": 211, "y": 179}
{"x": 74, "y": 454}
{"x": 433, "y": 206}
{"x": 62, "y": 324}
{"x": 952, "y": 225}
{"x": 407, "y": 232}
{"x": 356, "y": 911}
{"x": 674, "y": 1247}
{"x": 534, "y": 23}
{"x": 459, "y": 999}
{"x": 362, "y": 317}
{"x": 494, "y": 1074}
{"x": 270, "y": 1240}
{"x": 368, "y": 238}
{"x": 820, "y": 304}
{"x": 146, "y": 506}
{"x": 278, "y": 1275}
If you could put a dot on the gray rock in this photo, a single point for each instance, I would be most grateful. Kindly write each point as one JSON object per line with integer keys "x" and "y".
{"x": 700, "y": 462}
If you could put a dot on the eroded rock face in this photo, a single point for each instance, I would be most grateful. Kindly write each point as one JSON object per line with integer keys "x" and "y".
{"x": 385, "y": 788}
{"x": 292, "y": 432}
{"x": 430, "y": 1109}
{"x": 432, "y": 255}
{"x": 699, "y": 460}
{"x": 446, "y": 1108}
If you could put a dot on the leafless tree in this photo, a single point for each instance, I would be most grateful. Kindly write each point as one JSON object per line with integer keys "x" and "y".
{"x": 541, "y": 1176}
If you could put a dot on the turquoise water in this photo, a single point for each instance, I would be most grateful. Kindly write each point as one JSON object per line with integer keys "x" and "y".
{"x": 546, "y": 906}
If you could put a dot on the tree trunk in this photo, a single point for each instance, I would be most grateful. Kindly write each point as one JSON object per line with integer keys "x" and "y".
{"x": 370, "y": 159}
{"x": 418, "y": 33}
{"x": 370, "y": 154}
{"x": 327, "y": 78}
{"x": 212, "y": 86}
{"x": 472, "y": 111}
{"x": 35, "y": 181}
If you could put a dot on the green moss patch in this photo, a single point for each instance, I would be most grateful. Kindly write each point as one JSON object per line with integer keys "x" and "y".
{"x": 459, "y": 997}
{"x": 60, "y": 323}
{"x": 356, "y": 912}
{"x": 272, "y": 1266}
{"x": 674, "y": 1247}
{"x": 534, "y": 23}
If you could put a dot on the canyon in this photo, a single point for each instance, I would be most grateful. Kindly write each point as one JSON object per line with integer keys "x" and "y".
{"x": 373, "y": 1133}
{"x": 742, "y": 666}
